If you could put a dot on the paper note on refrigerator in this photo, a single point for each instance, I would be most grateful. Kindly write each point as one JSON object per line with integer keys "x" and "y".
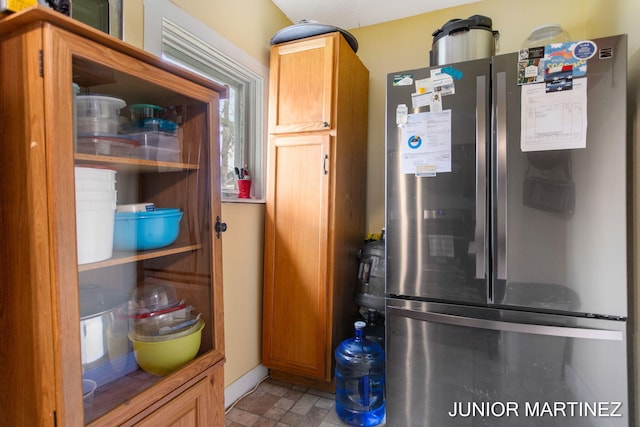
{"x": 426, "y": 143}
{"x": 554, "y": 120}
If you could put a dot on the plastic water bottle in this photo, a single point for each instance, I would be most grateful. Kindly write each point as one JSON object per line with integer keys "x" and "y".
{"x": 360, "y": 380}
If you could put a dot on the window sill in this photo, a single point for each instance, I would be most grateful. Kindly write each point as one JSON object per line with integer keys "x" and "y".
{"x": 236, "y": 200}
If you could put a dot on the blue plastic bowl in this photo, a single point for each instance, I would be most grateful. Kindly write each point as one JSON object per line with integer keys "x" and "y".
{"x": 139, "y": 231}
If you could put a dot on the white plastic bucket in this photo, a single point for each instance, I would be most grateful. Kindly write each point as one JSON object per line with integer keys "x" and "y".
{"x": 95, "y": 213}
{"x": 95, "y": 179}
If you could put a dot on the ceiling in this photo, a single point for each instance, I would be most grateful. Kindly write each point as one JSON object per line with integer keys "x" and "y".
{"x": 348, "y": 14}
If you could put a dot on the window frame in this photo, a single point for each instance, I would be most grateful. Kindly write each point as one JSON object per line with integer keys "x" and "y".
{"x": 166, "y": 24}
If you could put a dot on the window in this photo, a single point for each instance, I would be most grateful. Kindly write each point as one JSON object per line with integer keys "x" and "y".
{"x": 105, "y": 15}
{"x": 242, "y": 127}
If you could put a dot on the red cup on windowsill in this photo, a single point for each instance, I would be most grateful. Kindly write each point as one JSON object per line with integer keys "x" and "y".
{"x": 244, "y": 189}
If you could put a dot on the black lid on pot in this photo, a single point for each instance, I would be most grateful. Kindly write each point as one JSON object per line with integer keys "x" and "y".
{"x": 308, "y": 29}
{"x": 475, "y": 22}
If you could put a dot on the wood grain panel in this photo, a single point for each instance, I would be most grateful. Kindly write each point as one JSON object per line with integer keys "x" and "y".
{"x": 312, "y": 238}
{"x": 302, "y": 76}
{"x": 297, "y": 221}
{"x": 41, "y": 54}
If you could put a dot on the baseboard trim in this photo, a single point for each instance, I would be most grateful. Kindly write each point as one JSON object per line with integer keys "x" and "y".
{"x": 242, "y": 385}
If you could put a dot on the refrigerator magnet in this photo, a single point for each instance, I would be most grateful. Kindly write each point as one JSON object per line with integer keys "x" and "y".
{"x": 562, "y": 54}
{"x": 442, "y": 83}
{"x": 402, "y": 113}
{"x": 423, "y": 94}
{"x": 584, "y": 50}
{"x": 423, "y": 171}
{"x": 402, "y": 80}
{"x": 531, "y": 65}
{"x": 453, "y": 72}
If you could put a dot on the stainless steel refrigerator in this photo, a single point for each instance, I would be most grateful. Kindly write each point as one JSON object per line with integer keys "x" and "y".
{"x": 506, "y": 240}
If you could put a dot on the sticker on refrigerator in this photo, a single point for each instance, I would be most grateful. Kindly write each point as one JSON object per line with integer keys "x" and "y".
{"x": 559, "y": 79}
{"x": 423, "y": 96}
{"x": 426, "y": 143}
{"x": 553, "y": 120}
{"x": 584, "y": 50}
{"x": 531, "y": 65}
{"x": 402, "y": 112}
{"x": 429, "y": 91}
{"x": 453, "y": 72}
{"x": 442, "y": 82}
{"x": 559, "y": 55}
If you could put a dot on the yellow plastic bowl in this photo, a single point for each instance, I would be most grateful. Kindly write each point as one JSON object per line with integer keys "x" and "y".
{"x": 164, "y": 357}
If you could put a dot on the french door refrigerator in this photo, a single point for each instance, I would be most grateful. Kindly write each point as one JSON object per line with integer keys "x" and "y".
{"x": 506, "y": 240}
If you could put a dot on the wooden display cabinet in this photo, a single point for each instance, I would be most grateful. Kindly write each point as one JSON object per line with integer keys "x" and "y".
{"x": 42, "y": 54}
{"x": 315, "y": 212}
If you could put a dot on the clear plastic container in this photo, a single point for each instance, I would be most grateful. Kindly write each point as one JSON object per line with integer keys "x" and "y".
{"x": 98, "y": 113}
{"x": 360, "y": 397}
{"x": 162, "y": 323}
{"x": 546, "y": 34}
{"x": 99, "y": 106}
{"x": 107, "y": 145}
{"x": 150, "y": 125}
{"x": 97, "y": 125}
{"x": 154, "y": 297}
{"x": 142, "y": 111}
{"x": 166, "y": 333}
{"x": 155, "y": 145}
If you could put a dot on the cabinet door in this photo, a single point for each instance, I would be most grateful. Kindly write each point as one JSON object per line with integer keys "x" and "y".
{"x": 301, "y": 85}
{"x": 109, "y": 301}
{"x": 194, "y": 407}
{"x": 187, "y": 410}
{"x": 296, "y": 318}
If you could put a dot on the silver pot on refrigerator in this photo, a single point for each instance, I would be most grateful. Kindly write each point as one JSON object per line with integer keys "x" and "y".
{"x": 464, "y": 40}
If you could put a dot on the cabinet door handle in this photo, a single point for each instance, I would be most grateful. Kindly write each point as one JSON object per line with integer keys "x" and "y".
{"x": 325, "y": 124}
{"x": 325, "y": 160}
{"x": 220, "y": 227}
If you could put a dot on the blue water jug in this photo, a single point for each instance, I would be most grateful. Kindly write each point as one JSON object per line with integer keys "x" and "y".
{"x": 360, "y": 380}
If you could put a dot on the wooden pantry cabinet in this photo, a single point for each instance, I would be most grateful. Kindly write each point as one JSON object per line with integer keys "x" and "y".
{"x": 42, "y": 55}
{"x": 315, "y": 210}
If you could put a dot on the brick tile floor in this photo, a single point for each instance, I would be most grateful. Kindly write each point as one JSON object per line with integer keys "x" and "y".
{"x": 278, "y": 404}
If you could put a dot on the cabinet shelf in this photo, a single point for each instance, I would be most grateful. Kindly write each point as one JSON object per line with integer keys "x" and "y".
{"x": 124, "y": 257}
{"x": 124, "y": 164}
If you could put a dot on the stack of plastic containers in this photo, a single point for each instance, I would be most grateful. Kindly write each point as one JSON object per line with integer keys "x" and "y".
{"x": 98, "y": 124}
{"x": 95, "y": 213}
{"x": 165, "y": 332}
{"x": 155, "y": 133}
{"x": 98, "y": 114}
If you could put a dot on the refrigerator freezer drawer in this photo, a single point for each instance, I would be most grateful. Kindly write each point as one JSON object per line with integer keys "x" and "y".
{"x": 466, "y": 366}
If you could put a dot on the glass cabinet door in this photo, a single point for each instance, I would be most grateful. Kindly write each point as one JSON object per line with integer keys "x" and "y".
{"x": 146, "y": 200}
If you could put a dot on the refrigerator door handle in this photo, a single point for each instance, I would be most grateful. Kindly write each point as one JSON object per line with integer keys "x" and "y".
{"x": 501, "y": 178}
{"x": 481, "y": 177}
{"x": 502, "y": 326}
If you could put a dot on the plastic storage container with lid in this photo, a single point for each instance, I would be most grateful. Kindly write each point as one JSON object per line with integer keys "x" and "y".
{"x": 546, "y": 34}
{"x": 98, "y": 114}
{"x": 359, "y": 371}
